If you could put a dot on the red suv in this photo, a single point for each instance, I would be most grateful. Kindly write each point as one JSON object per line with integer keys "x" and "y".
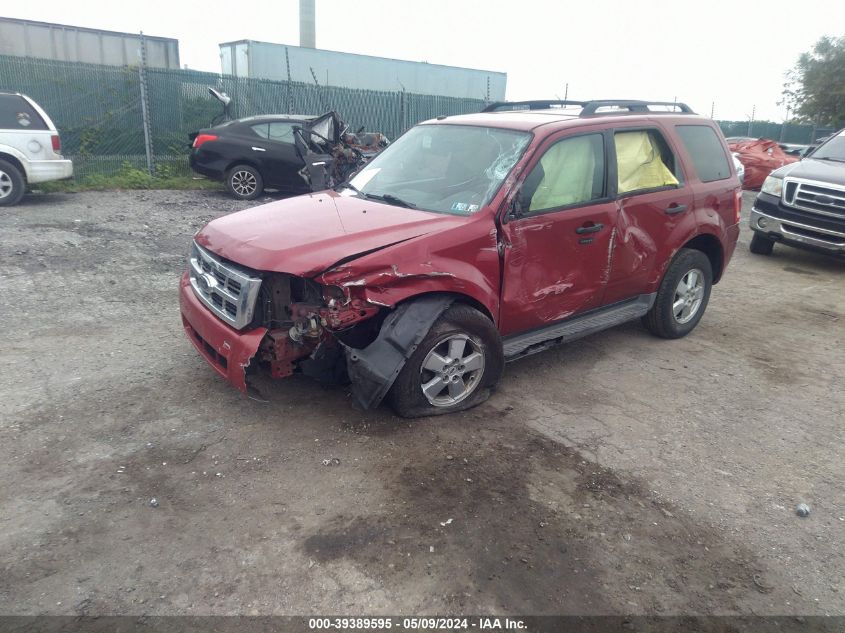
{"x": 470, "y": 241}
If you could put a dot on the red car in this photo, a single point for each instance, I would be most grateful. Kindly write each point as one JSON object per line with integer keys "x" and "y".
{"x": 471, "y": 241}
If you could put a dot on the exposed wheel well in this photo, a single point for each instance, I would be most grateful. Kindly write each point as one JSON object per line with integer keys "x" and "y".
{"x": 235, "y": 163}
{"x": 14, "y": 161}
{"x": 710, "y": 246}
{"x": 459, "y": 298}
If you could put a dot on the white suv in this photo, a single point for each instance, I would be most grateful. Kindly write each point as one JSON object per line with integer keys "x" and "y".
{"x": 29, "y": 148}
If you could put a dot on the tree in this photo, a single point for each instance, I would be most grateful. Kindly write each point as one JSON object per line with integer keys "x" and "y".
{"x": 815, "y": 86}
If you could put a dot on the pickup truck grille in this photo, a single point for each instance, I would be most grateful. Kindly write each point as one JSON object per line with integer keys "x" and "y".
{"x": 815, "y": 197}
{"x": 226, "y": 289}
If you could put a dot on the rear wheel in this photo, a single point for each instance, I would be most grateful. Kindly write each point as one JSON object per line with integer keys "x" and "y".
{"x": 12, "y": 184}
{"x": 761, "y": 245}
{"x": 454, "y": 367}
{"x": 244, "y": 182}
{"x": 682, "y": 296}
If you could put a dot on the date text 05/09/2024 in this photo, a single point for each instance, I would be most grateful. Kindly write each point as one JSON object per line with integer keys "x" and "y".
{"x": 417, "y": 624}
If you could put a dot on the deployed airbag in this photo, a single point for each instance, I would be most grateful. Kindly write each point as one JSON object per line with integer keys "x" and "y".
{"x": 639, "y": 164}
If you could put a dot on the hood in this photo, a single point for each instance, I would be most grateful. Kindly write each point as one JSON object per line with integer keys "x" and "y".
{"x": 308, "y": 234}
{"x": 811, "y": 169}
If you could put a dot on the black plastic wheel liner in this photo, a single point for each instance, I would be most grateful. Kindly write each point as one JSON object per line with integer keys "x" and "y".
{"x": 373, "y": 369}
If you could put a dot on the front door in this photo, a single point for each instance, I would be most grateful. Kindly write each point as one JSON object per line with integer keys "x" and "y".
{"x": 557, "y": 241}
{"x": 279, "y": 159}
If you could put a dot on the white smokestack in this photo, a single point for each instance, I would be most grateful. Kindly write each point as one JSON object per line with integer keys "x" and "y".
{"x": 307, "y": 24}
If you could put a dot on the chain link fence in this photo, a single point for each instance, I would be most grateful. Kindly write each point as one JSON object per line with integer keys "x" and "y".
{"x": 98, "y": 110}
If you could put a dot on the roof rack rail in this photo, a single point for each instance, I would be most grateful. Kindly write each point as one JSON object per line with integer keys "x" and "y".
{"x": 499, "y": 106}
{"x": 592, "y": 107}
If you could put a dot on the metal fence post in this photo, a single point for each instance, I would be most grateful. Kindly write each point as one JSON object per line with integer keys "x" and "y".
{"x": 145, "y": 107}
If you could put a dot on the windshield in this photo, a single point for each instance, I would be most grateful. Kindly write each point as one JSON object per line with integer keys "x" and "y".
{"x": 443, "y": 168}
{"x": 834, "y": 149}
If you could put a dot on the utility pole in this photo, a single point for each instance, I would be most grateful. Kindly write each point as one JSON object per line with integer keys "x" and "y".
{"x": 145, "y": 107}
{"x": 566, "y": 92}
{"x": 751, "y": 120}
{"x": 712, "y": 108}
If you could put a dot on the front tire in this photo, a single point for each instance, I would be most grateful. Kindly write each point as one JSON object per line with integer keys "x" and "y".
{"x": 682, "y": 296}
{"x": 244, "y": 182}
{"x": 12, "y": 184}
{"x": 454, "y": 368}
{"x": 761, "y": 245}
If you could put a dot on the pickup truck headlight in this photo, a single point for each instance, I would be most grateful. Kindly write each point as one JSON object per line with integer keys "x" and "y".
{"x": 773, "y": 186}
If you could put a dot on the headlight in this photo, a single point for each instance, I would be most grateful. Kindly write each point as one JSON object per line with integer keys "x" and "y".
{"x": 773, "y": 186}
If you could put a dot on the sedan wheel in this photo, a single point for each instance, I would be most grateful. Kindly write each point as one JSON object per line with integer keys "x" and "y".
{"x": 245, "y": 182}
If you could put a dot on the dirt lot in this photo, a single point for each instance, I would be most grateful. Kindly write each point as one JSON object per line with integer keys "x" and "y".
{"x": 619, "y": 474}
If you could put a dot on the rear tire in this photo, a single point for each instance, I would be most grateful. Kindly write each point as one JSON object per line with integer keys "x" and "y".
{"x": 761, "y": 245}
{"x": 244, "y": 182}
{"x": 458, "y": 363}
{"x": 682, "y": 296}
{"x": 12, "y": 184}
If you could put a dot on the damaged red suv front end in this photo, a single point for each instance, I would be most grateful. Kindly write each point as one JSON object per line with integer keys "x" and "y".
{"x": 303, "y": 283}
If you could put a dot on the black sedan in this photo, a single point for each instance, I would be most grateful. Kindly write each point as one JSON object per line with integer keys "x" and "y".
{"x": 291, "y": 153}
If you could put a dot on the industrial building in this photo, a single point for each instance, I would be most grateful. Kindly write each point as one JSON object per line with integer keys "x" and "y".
{"x": 262, "y": 60}
{"x": 27, "y": 38}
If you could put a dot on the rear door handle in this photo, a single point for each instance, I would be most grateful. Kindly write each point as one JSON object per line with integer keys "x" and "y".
{"x": 258, "y": 149}
{"x": 594, "y": 228}
{"x": 673, "y": 208}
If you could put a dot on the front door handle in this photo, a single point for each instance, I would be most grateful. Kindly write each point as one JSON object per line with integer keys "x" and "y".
{"x": 593, "y": 228}
{"x": 674, "y": 208}
{"x": 258, "y": 149}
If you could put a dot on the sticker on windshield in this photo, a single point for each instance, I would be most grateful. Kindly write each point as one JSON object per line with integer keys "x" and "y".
{"x": 460, "y": 206}
{"x": 472, "y": 208}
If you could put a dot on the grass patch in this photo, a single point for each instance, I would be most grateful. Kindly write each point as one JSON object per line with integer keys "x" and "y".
{"x": 129, "y": 177}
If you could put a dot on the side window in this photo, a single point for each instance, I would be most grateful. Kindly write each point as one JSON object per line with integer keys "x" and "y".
{"x": 570, "y": 172}
{"x": 706, "y": 152}
{"x": 644, "y": 161}
{"x": 282, "y": 132}
{"x": 17, "y": 114}
{"x": 263, "y": 130}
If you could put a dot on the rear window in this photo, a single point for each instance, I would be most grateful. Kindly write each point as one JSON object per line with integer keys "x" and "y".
{"x": 708, "y": 155}
{"x": 17, "y": 114}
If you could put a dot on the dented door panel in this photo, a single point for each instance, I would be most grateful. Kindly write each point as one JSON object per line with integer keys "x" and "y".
{"x": 552, "y": 272}
{"x": 645, "y": 238}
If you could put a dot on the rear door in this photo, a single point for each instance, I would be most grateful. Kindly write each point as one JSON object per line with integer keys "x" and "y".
{"x": 556, "y": 245}
{"x": 656, "y": 207}
{"x": 24, "y": 129}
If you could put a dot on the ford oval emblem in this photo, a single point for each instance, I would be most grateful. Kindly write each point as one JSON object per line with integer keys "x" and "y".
{"x": 824, "y": 199}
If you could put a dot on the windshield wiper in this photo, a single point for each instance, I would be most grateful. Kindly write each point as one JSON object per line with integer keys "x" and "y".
{"x": 390, "y": 199}
{"x": 831, "y": 158}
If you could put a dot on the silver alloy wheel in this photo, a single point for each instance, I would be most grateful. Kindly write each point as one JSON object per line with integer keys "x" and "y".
{"x": 689, "y": 294}
{"x": 244, "y": 183}
{"x": 452, "y": 370}
{"x": 6, "y": 185}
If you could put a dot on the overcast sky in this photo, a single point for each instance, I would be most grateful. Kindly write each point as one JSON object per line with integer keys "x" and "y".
{"x": 728, "y": 52}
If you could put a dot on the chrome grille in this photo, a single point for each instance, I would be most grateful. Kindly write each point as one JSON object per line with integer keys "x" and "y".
{"x": 227, "y": 290}
{"x": 816, "y": 197}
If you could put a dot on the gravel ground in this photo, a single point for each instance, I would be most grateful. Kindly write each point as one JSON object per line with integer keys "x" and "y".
{"x": 618, "y": 474}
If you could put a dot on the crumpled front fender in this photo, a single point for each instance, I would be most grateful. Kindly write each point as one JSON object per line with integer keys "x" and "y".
{"x": 373, "y": 369}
